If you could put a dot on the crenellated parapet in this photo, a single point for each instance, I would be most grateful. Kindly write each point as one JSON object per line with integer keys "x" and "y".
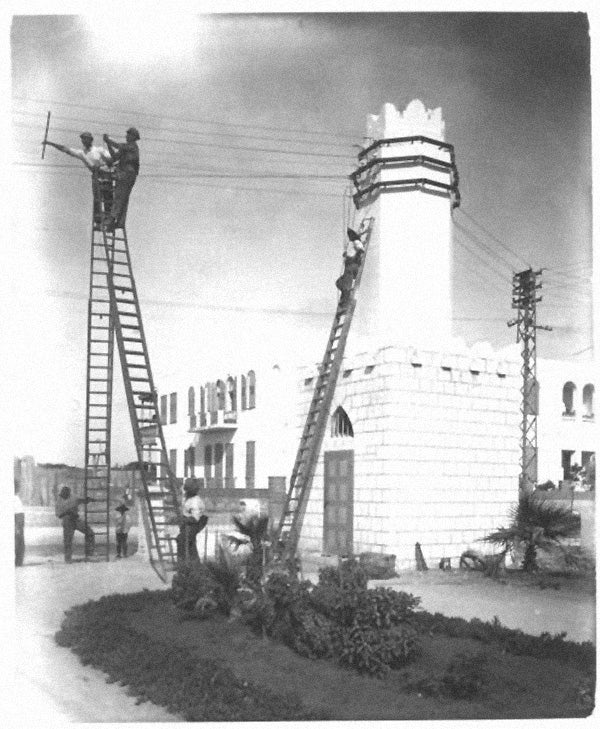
{"x": 407, "y": 152}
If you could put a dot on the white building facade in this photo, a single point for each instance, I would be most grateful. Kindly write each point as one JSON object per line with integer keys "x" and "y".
{"x": 424, "y": 432}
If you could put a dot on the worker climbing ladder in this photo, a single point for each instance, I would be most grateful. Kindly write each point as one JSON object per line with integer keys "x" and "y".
{"x": 288, "y": 530}
{"x": 114, "y": 310}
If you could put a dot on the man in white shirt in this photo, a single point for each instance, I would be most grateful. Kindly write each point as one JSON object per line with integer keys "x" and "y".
{"x": 98, "y": 161}
{"x": 193, "y": 521}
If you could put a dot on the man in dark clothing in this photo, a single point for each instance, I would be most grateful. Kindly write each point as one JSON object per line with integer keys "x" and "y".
{"x": 67, "y": 510}
{"x": 193, "y": 521}
{"x": 127, "y": 156}
{"x": 352, "y": 260}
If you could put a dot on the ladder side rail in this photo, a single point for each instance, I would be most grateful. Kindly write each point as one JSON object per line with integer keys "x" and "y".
{"x": 98, "y": 473}
{"x": 110, "y": 382}
{"x": 312, "y": 441}
{"x": 128, "y": 387}
{"x": 307, "y": 475}
{"x": 164, "y": 460}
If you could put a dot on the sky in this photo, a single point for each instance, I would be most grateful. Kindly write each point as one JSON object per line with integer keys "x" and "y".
{"x": 250, "y": 125}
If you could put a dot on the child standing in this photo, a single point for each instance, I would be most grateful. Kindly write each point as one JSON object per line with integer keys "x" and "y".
{"x": 122, "y": 526}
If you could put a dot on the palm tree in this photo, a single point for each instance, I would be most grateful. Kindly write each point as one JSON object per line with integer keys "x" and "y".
{"x": 255, "y": 534}
{"x": 537, "y": 524}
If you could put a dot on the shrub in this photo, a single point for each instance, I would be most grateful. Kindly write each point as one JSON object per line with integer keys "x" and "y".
{"x": 202, "y": 588}
{"x": 465, "y": 675}
{"x": 376, "y": 651}
{"x": 348, "y": 574}
{"x": 516, "y": 642}
{"x": 365, "y": 629}
{"x": 378, "y": 566}
{"x": 380, "y": 607}
{"x": 192, "y": 581}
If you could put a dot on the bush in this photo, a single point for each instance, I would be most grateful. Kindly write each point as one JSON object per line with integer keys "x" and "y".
{"x": 516, "y": 642}
{"x": 380, "y": 607}
{"x": 314, "y": 635}
{"x": 202, "y": 588}
{"x": 348, "y": 574}
{"x": 376, "y": 651}
{"x": 465, "y": 675}
{"x": 378, "y": 566}
{"x": 338, "y": 618}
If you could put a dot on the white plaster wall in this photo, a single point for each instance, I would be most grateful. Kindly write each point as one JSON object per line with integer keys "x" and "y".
{"x": 557, "y": 432}
{"x": 269, "y": 424}
{"x": 405, "y": 295}
{"x": 436, "y": 454}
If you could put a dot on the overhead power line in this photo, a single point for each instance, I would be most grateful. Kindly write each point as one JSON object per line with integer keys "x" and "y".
{"x": 196, "y": 120}
{"x": 84, "y": 121}
{"x": 207, "y": 175}
{"x": 211, "y": 145}
{"x": 519, "y": 258}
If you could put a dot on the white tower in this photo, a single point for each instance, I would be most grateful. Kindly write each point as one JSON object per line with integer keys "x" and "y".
{"x": 406, "y": 180}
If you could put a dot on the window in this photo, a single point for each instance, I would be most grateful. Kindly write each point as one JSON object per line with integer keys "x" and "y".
{"x": 189, "y": 462}
{"x": 231, "y": 395}
{"x": 340, "y": 424}
{"x": 192, "y": 407}
{"x": 202, "y": 400}
{"x": 588, "y": 401}
{"x": 173, "y": 461}
{"x": 244, "y": 404}
{"x": 251, "y": 390}
{"x": 207, "y": 464}
{"x": 218, "y": 465}
{"x": 163, "y": 409}
{"x": 173, "y": 408}
{"x": 229, "y": 482}
{"x": 220, "y": 395}
{"x": 250, "y": 463}
{"x": 568, "y": 398}
{"x": 211, "y": 397}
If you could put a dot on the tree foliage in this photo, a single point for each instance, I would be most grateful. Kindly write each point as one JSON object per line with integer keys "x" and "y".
{"x": 535, "y": 523}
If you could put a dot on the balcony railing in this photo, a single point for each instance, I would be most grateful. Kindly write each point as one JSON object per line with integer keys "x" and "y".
{"x": 216, "y": 420}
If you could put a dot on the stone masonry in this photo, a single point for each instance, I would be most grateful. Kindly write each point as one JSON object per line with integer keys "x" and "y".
{"x": 436, "y": 451}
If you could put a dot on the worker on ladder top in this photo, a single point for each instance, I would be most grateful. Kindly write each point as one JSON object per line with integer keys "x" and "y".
{"x": 127, "y": 156}
{"x": 99, "y": 162}
{"x": 353, "y": 255}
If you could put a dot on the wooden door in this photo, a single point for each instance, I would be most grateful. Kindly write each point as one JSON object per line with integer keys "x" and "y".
{"x": 338, "y": 504}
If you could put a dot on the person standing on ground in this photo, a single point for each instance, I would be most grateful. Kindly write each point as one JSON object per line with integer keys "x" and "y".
{"x": 127, "y": 156}
{"x": 193, "y": 521}
{"x": 67, "y": 510}
{"x": 19, "y": 528}
{"x": 122, "y": 527}
{"x": 98, "y": 161}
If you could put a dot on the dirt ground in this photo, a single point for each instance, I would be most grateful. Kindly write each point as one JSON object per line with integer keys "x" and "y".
{"x": 51, "y": 682}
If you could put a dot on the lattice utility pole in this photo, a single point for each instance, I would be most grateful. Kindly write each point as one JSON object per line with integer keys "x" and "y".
{"x": 524, "y": 299}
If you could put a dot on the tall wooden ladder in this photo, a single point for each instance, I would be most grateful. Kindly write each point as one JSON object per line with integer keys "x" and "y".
{"x": 161, "y": 508}
{"x": 98, "y": 408}
{"x": 288, "y": 531}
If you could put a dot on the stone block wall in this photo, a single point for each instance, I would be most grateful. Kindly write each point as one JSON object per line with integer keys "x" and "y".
{"x": 436, "y": 451}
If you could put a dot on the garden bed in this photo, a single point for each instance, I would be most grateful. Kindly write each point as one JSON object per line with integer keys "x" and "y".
{"x": 217, "y": 670}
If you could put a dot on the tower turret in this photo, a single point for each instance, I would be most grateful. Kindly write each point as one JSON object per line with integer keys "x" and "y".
{"x": 407, "y": 180}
